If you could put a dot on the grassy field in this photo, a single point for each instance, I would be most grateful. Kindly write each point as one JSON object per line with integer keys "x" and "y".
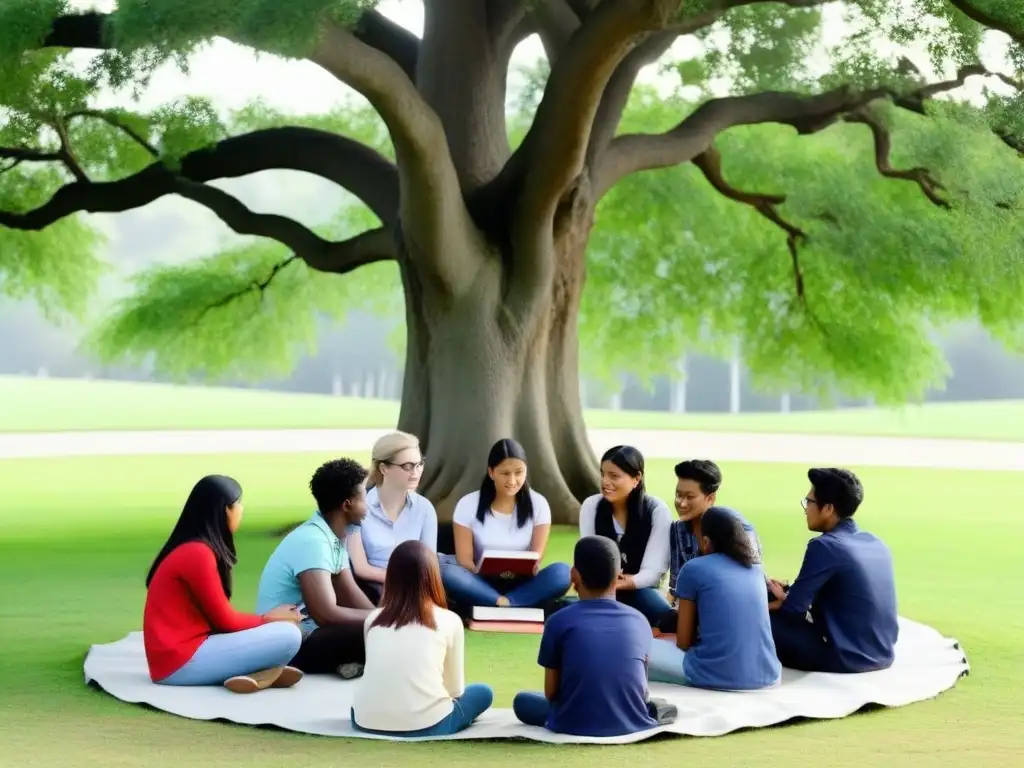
{"x": 78, "y": 535}
{"x": 31, "y": 405}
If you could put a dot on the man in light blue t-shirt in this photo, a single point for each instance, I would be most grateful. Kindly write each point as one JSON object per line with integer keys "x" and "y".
{"x": 310, "y": 569}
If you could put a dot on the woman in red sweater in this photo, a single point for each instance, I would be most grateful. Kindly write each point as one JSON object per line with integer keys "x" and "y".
{"x": 191, "y": 633}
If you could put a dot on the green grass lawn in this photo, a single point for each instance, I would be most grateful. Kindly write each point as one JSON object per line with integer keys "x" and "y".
{"x": 79, "y": 534}
{"x": 31, "y": 405}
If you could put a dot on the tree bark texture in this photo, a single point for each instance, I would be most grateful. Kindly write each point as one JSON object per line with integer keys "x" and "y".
{"x": 472, "y": 377}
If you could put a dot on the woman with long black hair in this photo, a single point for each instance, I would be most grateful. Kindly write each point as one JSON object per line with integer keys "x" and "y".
{"x": 638, "y": 523}
{"x": 505, "y": 515}
{"x": 723, "y": 593}
{"x": 191, "y": 633}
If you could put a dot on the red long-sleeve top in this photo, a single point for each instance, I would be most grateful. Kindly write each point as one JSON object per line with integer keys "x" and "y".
{"x": 185, "y": 604}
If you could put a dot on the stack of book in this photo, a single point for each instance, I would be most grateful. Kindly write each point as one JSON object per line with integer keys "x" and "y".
{"x": 493, "y": 618}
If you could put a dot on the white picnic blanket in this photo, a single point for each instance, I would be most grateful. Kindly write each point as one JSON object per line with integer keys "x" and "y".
{"x": 926, "y": 665}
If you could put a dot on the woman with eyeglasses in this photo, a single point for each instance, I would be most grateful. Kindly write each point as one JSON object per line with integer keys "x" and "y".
{"x": 504, "y": 515}
{"x": 394, "y": 511}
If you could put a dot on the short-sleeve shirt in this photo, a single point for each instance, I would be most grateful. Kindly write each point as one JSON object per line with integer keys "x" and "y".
{"x": 684, "y": 544}
{"x": 600, "y": 648}
{"x": 380, "y": 534}
{"x": 498, "y": 530}
{"x": 311, "y": 546}
{"x": 735, "y": 650}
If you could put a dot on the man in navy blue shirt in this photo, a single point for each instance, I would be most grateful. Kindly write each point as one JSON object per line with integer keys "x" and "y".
{"x": 846, "y": 585}
{"x": 594, "y": 654}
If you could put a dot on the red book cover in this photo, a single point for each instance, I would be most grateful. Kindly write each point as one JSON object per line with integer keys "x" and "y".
{"x": 500, "y": 563}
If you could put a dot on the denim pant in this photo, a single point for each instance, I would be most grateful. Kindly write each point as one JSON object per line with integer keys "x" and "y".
{"x": 531, "y": 708}
{"x": 467, "y": 588}
{"x": 648, "y": 600}
{"x": 474, "y": 701}
{"x": 228, "y": 655}
{"x": 665, "y": 663}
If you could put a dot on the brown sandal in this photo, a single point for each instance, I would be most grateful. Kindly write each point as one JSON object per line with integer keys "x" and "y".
{"x": 289, "y": 676}
{"x": 257, "y": 681}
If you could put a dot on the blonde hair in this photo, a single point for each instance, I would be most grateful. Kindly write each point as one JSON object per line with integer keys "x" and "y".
{"x": 384, "y": 450}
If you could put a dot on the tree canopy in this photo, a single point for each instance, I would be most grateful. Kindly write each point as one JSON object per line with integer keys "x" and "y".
{"x": 831, "y": 251}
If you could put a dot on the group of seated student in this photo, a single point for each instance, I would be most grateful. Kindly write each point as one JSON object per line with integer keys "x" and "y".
{"x": 387, "y": 617}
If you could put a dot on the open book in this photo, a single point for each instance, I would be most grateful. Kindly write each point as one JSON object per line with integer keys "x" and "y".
{"x": 497, "y": 562}
{"x": 496, "y": 613}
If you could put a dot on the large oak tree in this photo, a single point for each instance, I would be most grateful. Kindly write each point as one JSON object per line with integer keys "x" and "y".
{"x": 490, "y": 235}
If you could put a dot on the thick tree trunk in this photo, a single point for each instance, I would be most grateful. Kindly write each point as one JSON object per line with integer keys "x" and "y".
{"x": 471, "y": 379}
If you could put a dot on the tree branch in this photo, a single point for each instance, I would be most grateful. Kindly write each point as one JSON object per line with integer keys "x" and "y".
{"x": 617, "y": 93}
{"x": 989, "y": 20}
{"x": 620, "y": 85}
{"x": 156, "y": 181}
{"x": 883, "y": 146}
{"x": 113, "y": 122}
{"x": 710, "y": 164}
{"x": 508, "y": 25}
{"x": 555, "y": 22}
{"x": 352, "y": 165}
{"x": 345, "y": 256}
{"x": 469, "y": 100}
{"x": 378, "y": 31}
{"x": 361, "y": 170}
{"x": 89, "y": 31}
{"x": 557, "y": 141}
{"x": 24, "y": 155}
{"x": 433, "y": 215}
{"x": 807, "y": 114}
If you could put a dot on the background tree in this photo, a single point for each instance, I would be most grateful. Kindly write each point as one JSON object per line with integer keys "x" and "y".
{"x": 489, "y": 235}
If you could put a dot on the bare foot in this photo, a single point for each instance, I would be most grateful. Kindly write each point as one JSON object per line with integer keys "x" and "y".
{"x": 503, "y": 602}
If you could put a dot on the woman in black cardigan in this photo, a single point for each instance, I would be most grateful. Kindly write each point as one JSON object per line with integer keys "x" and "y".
{"x": 638, "y": 523}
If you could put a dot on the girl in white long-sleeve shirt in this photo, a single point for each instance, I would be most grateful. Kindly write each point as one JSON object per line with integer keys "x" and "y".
{"x": 413, "y": 682}
{"x": 637, "y": 523}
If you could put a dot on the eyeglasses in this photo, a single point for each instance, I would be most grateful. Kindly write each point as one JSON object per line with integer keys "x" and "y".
{"x": 805, "y": 502}
{"x": 409, "y": 466}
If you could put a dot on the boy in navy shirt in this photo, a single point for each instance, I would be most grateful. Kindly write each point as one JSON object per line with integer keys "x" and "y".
{"x": 847, "y": 584}
{"x": 594, "y": 654}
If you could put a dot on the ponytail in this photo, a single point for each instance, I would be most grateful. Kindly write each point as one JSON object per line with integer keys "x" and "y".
{"x": 375, "y": 476}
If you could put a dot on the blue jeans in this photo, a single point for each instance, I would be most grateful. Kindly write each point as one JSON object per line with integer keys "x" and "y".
{"x": 228, "y": 655}
{"x": 467, "y": 588}
{"x": 531, "y": 708}
{"x": 474, "y": 701}
{"x": 665, "y": 663}
{"x": 648, "y": 600}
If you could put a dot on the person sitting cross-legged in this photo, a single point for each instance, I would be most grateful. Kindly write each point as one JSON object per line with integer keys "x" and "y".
{"x": 505, "y": 514}
{"x": 638, "y": 524}
{"x": 310, "y": 567}
{"x": 723, "y": 593}
{"x": 413, "y": 684}
{"x": 840, "y": 614}
{"x": 594, "y": 655}
{"x": 191, "y": 634}
{"x": 697, "y": 484}
{"x": 394, "y": 511}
